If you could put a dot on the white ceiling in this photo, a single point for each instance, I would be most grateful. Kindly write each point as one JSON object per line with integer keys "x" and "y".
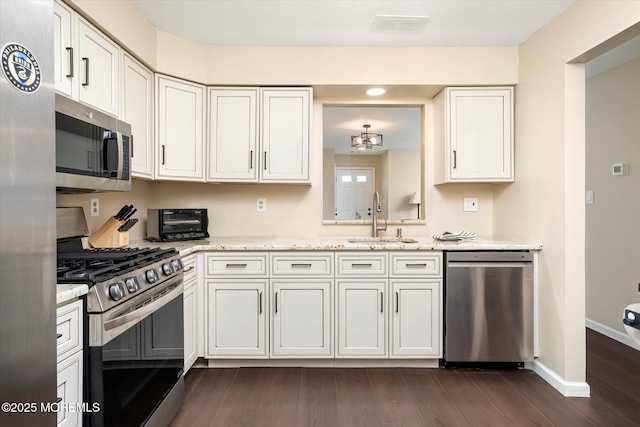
{"x": 348, "y": 22}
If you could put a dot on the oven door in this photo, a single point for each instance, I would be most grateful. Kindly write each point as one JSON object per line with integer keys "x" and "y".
{"x": 136, "y": 360}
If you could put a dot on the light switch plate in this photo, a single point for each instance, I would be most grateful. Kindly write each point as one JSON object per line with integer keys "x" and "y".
{"x": 470, "y": 204}
{"x": 589, "y": 197}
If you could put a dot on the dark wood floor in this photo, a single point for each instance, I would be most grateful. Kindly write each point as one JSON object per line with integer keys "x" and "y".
{"x": 414, "y": 397}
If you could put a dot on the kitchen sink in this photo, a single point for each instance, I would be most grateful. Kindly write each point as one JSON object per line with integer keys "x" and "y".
{"x": 381, "y": 240}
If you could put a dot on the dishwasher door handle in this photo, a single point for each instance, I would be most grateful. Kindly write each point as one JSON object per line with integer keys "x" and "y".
{"x": 476, "y": 264}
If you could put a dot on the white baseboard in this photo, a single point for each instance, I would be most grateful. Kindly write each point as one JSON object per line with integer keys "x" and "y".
{"x": 566, "y": 388}
{"x": 621, "y": 337}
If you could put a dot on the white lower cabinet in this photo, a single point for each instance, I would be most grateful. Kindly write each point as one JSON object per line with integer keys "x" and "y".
{"x": 416, "y": 317}
{"x": 377, "y": 305}
{"x": 191, "y": 296}
{"x": 69, "y": 358}
{"x": 237, "y": 318}
{"x": 361, "y": 318}
{"x": 302, "y": 320}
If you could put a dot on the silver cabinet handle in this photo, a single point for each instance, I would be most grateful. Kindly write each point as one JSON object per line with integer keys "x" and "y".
{"x": 70, "y": 50}
{"x": 260, "y": 305}
{"x": 455, "y": 159}
{"x": 397, "y": 303}
{"x": 189, "y": 269}
{"x": 301, "y": 265}
{"x": 265, "y": 160}
{"x": 416, "y": 265}
{"x": 362, "y": 265}
{"x": 276, "y": 302}
{"x": 86, "y": 71}
{"x": 163, "y": 154}
{"x": 239, "y": 265}
{"x": 58, "y": 336}
{"x": 381, "y": 302}
{"x": 251, "y": 160}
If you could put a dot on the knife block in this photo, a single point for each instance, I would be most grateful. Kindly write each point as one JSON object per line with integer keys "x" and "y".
{"x": 108, "y": 235}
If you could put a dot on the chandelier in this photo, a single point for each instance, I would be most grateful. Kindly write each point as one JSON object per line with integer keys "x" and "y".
{"x": 366, "y": 140}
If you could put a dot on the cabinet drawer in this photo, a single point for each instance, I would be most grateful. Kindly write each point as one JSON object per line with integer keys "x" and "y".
{"x": 189, "y": 263}
{"x": 68, "y": 329}
{"x": 417, "y": 264}
{"x": 312, "y": 264}
{"x": 246, "y": 264}
{"x": 361, "y": 264}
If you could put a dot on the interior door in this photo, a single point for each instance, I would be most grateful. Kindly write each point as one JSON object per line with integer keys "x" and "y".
{"x": 354, "y": 187}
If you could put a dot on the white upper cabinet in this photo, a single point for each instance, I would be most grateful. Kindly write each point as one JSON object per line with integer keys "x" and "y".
{"x": 473, "y": 135}
{"x": 63, "y": 48}
{"x": 137, "y": 110}
{"x": 180, "y": 129}
{"x": 259, "y": 135}
{"x": 98, "y": 62}
{"x": 86, "y": 61}
{"x": 285, "y": 130}
{"x": 233, "y": 135}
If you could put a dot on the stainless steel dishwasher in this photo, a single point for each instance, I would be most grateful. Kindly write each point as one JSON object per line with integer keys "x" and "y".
{"x": 488, "y": 307}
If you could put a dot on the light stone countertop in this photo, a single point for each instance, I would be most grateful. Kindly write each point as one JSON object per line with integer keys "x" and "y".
{"x": 69, "y": 292}
{"x": 333, "y": 243}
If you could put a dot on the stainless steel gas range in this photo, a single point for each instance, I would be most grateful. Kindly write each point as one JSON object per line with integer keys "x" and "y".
{"x": 134, "y": 331}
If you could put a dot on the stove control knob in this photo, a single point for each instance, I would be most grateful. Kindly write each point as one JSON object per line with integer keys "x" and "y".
{"x": 151, "y": 275}
{"x": 177, "y": 265}
{"x": 167, "y": 269}
{"x": 132, "y": 284}
{"x": 116, "y": 291}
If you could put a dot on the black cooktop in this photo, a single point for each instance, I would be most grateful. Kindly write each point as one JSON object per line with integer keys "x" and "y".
{"x": 98, "y": 265}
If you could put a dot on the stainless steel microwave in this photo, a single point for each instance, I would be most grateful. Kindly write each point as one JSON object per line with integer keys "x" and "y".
{"x": 93, "y": 149}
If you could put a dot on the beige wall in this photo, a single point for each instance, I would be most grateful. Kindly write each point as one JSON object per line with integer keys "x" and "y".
{"x": 613, "y": 220}
{"x": 546, "y": 203}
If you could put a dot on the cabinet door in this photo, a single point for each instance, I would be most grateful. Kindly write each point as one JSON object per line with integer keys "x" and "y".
{"x": 285, "y": 130}
{"x": 302, "y": 320}
{"x": 99, "y": 65}
{"x": 63, "y": 48}
{"x": 190, "y": 325}
{"x": 362, "y": 314}
{"x": 416, "y": 326}
{"x": 233, "y": 152}
{"x": 236, "y": 319}
{"x": 481, "y": 134}
{"x": 69, "y": 389}
{"x": 137, "y": 110}
{"x": 179, "y": 148}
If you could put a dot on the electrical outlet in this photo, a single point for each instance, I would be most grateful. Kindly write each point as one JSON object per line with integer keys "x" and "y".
{"x": 94, "y": 207}
{"x": 261, "y": 204}
{"x": 470, "y": 204}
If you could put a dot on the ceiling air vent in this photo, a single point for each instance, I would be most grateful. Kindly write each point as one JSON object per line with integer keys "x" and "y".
{"x": 399, "y": 23}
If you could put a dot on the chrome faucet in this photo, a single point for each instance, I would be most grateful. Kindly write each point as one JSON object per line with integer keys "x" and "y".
{"x": 377, "y": 207}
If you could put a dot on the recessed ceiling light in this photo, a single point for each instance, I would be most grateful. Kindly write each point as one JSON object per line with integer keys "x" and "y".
{"x": 376, "y": 91}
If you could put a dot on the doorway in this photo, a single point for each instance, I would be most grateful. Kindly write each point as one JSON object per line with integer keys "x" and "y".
{"x": 354, "y": 187}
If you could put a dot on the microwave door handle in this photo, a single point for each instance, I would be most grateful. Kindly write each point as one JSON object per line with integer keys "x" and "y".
{"x": 120, "y": 144}
{"x": 117, "y": 136}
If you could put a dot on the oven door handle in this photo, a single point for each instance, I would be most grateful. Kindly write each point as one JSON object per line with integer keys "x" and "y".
{"x": 138, "y": 314}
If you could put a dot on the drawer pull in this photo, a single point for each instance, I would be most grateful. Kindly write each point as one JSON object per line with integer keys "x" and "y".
{"x": 58, "y": 400}
{"x": 301, "y": 265}
{"x": 86, "y": 71}
{"x": 361, "y": 265}
{"x": 381, "y": 302}
{"x": 70, "y": 50}
{"x": 189, "y": 269}
{"x": 239, "y": 265}
{"x": 276, "y": 302}
{"x": 416, "y": 265}
{"x": 260, "y": 306}
{"x": 58, "y": 336}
